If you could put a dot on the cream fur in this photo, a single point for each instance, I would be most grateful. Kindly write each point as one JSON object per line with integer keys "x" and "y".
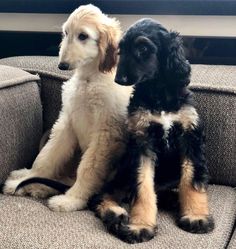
{"x": 92, "y": 118}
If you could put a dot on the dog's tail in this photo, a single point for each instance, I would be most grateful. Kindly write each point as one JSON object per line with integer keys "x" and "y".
{"x": 1, "y": 188}
{"x": 60, "y": 187}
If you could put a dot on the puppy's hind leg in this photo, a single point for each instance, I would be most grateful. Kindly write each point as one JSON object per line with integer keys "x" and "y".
{"x": 91, "y": 174}
{"x": 48, "y": 163}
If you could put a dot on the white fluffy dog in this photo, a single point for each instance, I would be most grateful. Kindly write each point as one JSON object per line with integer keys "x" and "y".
{"x": 92, "y": 117}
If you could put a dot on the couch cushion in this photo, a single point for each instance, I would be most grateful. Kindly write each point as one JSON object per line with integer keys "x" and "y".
{"x": 215, "y": 97}
{"x": 20, "y": 119}
{"x": 26, "y": 223}
{"x": 232, "y": 244}
{"x": 215, "y": 88}
{"x": 14, "y": 76}
{"x": 51, "y": 81}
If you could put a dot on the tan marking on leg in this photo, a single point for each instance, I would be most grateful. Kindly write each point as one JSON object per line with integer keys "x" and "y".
{"x": 193, "y": 203}
{"x": 108, "y": 204}
{"x": 144, "y": 209}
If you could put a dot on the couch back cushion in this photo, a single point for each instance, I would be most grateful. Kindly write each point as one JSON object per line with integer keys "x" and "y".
{"x": 214, "y": 90}
{"x": 215, "y": 97}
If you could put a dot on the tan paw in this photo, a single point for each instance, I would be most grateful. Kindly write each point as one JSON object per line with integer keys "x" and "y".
{"x": 136, "y": 233}
{"x": 65, "y": 203}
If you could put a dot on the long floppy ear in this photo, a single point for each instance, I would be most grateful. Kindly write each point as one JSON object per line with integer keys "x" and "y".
{"x": 177, "y": 68}
{"x": 109, "y": 37}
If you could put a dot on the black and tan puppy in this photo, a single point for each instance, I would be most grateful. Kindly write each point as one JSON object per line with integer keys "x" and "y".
{"x": 166, "y": 146}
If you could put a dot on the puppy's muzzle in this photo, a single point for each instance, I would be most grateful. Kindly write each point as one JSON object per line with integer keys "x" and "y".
{"x": 64, "y": 66}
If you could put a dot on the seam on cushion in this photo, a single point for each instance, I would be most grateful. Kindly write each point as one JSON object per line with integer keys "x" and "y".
{"x": 18, "y": 81}
{"x": 46, "y": 73}
{"x": 225, "y": 234}
{"x": 233, "y": 228}
{"x": 193, "y": 87}
{"x": 213, "y": 89}
{"x": 232, "y": 236}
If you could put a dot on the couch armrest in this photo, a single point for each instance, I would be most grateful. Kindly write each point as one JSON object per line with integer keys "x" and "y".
{"x": 51, "y": 81}
{"x": 20, "y": 119}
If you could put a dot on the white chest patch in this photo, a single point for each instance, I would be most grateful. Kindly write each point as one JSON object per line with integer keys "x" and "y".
{"x": 166, "y": 120}
{"x": 186, "y": 116}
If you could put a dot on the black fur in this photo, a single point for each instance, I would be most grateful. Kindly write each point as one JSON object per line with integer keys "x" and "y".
{"x": 61, "y": 187}
{"x": 152, "y": 59}
{"x": 197, "y": 226}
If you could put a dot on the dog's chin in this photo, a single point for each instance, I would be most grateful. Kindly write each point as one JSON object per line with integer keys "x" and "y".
{"x": 124, "y": 84}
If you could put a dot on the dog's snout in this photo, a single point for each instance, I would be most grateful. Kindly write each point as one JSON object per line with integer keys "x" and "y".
{"x": 63, "y": 66}
{"x": 121, "y": 80}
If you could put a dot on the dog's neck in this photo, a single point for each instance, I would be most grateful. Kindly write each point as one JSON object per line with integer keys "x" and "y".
{"x": 87, "y": 71}
{"x": 157, "y": 98}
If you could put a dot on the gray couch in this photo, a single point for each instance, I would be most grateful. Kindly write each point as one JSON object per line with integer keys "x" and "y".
{"x": 29, "y": 104}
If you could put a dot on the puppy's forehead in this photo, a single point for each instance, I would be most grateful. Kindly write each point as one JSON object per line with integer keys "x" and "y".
{"x": 85, "y": 23}
{"x": 145, "y": 27}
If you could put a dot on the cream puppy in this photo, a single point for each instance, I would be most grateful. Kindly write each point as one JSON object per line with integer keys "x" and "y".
{"x": 93, "y": 114}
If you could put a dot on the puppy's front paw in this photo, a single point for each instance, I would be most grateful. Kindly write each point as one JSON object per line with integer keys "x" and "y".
{"x": 197, "y": 224}
{"x": 113, "y": 219}
{"x": 66, "y": 203}
{"x": 136, "y": 233}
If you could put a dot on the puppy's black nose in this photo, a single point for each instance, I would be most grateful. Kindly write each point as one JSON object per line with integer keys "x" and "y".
{"x": 121, "y": 80}
{"x": 63, "y": 66}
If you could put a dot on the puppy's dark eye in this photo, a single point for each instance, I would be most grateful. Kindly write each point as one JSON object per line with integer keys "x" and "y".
{"x": 142, "y": 49}
{"x": 65, "y": 33}
{"x": 82, "y": 36}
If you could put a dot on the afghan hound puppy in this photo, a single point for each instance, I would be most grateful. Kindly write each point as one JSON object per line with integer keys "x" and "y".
{"x": 92, "y": 118}
{"x": 166, "y": 144}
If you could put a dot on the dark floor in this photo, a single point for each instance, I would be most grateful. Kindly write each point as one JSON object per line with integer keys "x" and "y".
{"x": 198, "y": 50}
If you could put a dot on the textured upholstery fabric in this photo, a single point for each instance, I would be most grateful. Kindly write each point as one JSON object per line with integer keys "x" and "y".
{"x": 232, "y": 244}
{"x": 216, "y": 78}
{"x": 20, "y": 119}
{"x": 51, "y": 82}
{"x": 215, "y": 88}
{"x": 218, "y": 111}
{"x": 12, "y": 77}
{"x": 27, "y": 224}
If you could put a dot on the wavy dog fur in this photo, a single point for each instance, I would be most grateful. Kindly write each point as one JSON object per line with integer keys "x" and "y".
{"x": 92, "y": 118}
{"x": 166, "y": 145}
